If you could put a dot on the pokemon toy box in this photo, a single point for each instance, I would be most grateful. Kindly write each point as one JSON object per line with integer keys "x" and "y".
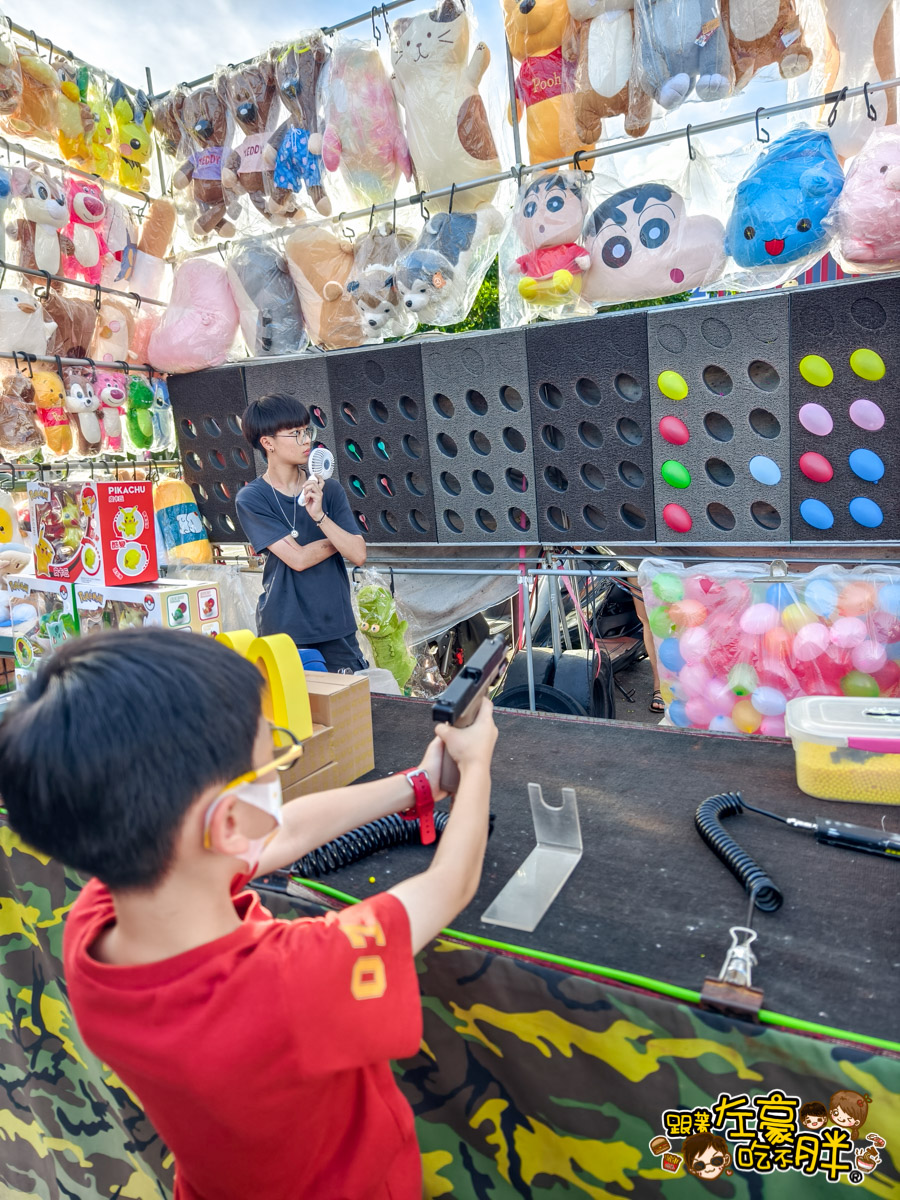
{"x": 102, "y": 531}
{"x": 172, "y": 603}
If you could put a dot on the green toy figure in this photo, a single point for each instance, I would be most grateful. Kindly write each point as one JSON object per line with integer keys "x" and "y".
{"x": 380, "y": 622}
{"x": 139, "y": 422}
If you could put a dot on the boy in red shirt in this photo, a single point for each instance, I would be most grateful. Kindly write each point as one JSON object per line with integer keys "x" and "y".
{"x": 259, "y": 1048}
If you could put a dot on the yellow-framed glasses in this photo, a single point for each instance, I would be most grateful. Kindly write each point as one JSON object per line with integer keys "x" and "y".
{"x": 281, "y": 762}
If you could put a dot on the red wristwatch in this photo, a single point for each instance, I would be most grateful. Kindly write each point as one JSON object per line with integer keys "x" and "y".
{"x": 423, "y": 808}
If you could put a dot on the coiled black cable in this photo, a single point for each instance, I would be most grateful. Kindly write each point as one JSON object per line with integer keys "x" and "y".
{"x": 351, "y": 847}
{"x": 767, "y": 897}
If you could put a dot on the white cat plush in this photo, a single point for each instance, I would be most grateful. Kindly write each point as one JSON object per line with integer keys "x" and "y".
{"x": 436, "y": 82}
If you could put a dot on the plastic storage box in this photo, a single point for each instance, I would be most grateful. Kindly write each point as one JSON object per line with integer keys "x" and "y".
{"x": 846, "y": 747}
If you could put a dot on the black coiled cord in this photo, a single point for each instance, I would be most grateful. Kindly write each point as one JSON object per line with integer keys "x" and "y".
{"x": 766, "y": 896}
{"x": 351, "y": 847}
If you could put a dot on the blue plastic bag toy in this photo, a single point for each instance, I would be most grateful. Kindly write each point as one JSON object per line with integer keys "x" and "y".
{"x": 781, "y": 203}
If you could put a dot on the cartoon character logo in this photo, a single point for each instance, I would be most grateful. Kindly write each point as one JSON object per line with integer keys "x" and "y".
{"x": 813, "y": 1115}
{"x": 849, "y": 1110}
{"x": 129, "y": 522}
{"x": 643, "y": 244}
{"x": 706, "y": 1155}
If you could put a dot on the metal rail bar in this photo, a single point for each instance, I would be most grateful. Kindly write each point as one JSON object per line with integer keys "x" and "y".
{"x": 61, "y": 360}
{"x": 91, "y": 287}
{"x": 59, "y": 165}
{"x": 30, "y": 35}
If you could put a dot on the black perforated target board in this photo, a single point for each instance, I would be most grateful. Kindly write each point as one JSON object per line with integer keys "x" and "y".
{"x": 307, "y": 379}
{"x": 480, "y": 440}
{"x": 590, "y": 411}
{"x": 381, "y": 441}
{"x": 721, "y": 420}
{"x": 845, "y": 422}
{"x": 207, "y": 407}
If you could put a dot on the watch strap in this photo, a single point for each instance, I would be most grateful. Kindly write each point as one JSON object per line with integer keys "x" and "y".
{"x": 422, "y": 806}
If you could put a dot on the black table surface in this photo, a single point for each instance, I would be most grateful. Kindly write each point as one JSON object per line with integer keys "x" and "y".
{"x": 648, "y": 896}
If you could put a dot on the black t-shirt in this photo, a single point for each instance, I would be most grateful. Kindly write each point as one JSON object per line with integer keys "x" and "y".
{"x": 309, "y": 606}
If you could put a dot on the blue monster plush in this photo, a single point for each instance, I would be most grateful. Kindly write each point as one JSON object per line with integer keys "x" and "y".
{"x": 781, "y": 203}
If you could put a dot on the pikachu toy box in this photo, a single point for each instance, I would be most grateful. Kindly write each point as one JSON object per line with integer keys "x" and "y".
{"x": 100, "y": 530}
{"x": 42, "y": 617}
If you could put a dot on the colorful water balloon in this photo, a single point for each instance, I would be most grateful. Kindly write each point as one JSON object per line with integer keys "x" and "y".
{"x": 678, "y": 519}
{"x": 822, "y": 597}
{"x": 816, "y": 514}
{"x": 667, "y": 587}
{"x": 685, "y": 614}
{"x": 675, "y": 474}
{"x": 742, "y": 679}
{"x": 866, "y": 415}
{"x": 867, "y": 364}
{"x": 722, "y": 724}
{"x": 769, "y": 701}
{"x": 848, "y": 632}
{"x": 866, "y": 464}
{"x": 858, "y": 683}
{"x": 765, "y": 470}
{"x": 660, "y": 623}
{"x": 698, "y": 712}
{"x": 868, "y": 657}
{"x": 810, "y": 642}
{"x": 816, "y": 420}
{"x": 866, "y": 512}
{"x": 694, "y": 645}
{"x": 856, "y": 599}
{"x": 677, "y": 714}
{"x": 780, "y": 595}
{"x": 746, "y": 717}
{"x": 889, "y": 599}
{"x": 795, "y": 616}
{"x": 816, "y": 370}
{"x": 695, "y": 679}
{"x": 772, "y": 726}
{"x": 719, "y": 696}
{"x": 672, "y": 385}
{"x": 759, "y": 619}
{"x": 670, "y": 655}
{"x": 816, "y": 467}
{"x": 674, "y": 431}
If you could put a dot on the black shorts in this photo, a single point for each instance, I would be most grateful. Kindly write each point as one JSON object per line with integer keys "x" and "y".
{"x": 342, "y": 655}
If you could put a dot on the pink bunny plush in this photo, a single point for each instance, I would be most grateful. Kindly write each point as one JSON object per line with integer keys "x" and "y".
{"x": 867, "y": 212}
{"x": 363, "y": 136}
{"x": 200, "y": 323}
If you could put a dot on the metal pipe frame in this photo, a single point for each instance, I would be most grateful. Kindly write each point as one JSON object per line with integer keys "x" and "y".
{"x": 30, "y": 35}
{"x": 60, "y": 360}
{"x": 59, "y": 165}
{"x": 34, "y": 273}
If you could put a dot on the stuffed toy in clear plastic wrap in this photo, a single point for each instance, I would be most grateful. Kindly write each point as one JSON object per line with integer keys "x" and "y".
{"x": 134, "y": 122}
{"x": 200, "y": 323}
{"x": 321, "y": 263}
{"x": 104, "y": 157}
{"x": 439, "y": 276}
{"x": 23, "y": 323}
{"x": 53, "y": 419}
{"x": 436, "y": 81}
{"x": 372, "y": 283}
{"x": 735, "y": 644}
{"x": 607, "y": 70}
{"x": 294, "y": 152}
{"x": 363, "y": 139}
{"x": 111, "y": 388}
{"x": 644, "y": 243}
{"x": 547, "y": 223}
{"x": 114, "y": 330}
{"x": 540, "y": 39}
{"x": 138, "y": 409}
{"x": 10, "y": 75}
{"x": 75, "y": 322}
{"x": 161, "y": 417}
{"x": 87, "y": 210}
{"x": 860, "y": 46}
{"x": 777, "y": 222}
{"x": 385, "y": 631}
{"x": 76, "y": 118}
{"x": 204, "y": 122}
{"x": 866, "y": 217}
{"x": 36, "y": 115}
{"x": 682, "y": 48}
{"x": 19, "y": 432}
{"x": 762, "y": 35}
{"x": 42, "y": 213}
{"x": 271, "y": 320}
{"x": 83, "y": 407}
{"x": 251, "y": 96}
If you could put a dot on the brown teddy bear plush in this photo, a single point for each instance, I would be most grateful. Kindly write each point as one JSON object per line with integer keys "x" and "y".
{"x": 251, "y": 95}
{"x": 75, "y": 322}
{"x": 293, "y": 154}
{"x": 168, "y": 125}
{"x": 19, "y": 433}
{"x": 763, "y": 34}
{"x": 607, "y": 74}
{"x": 205, "y": 122}
{"x": 320, "y": 264}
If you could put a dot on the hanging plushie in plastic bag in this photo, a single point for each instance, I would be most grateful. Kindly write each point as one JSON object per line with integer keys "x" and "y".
{"x": 866, "y": 217}
{"x": 363, "y": 139}
{"x": 543, "y": 260}
{"x": 439, "y": 276}
{"x": 321, "y": 263}
{"x": 202, "y": 118}
{"x": 759, "y": 36}
{"x": 654, "y": 238}
{"x": 607, "y": 70}
{"x": 682, "y": 48}
{"x": 777, "y": 224}
{"x": 372, "y": 284}
{"x": 294, "y": 152}
{"x": 271, "y": 321}
{"x": 542, "y": 40}
{"x": 386, "y": 639}
{"x": 19, "y": 432}
{"x": 436, "y": 81}
{"x": 162, "y": 418}
{"x": 83, "y": 406}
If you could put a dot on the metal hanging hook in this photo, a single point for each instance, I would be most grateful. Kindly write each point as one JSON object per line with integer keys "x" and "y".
{"x": 384, "y": 17}
{"x": 832, "y": 116}
{"x": 50, "y": 51}
{"x": 691, "y": 154}
{"x": 871, "y": 111}
{"x": 93, "y": 367}
{"x": 452, "y": 194}
{"x": 376, "y": 32}
{"x": 58, "y": 361}
{"x": 137, "y": 298}
{"x": 371, "y": 218}
{"x": 34, "y": 38}
{"x": 762, "y": 135}
{"x": 426, "y": 215}
{"x": 45, "y": 295}
{"x": 98, "y": 297}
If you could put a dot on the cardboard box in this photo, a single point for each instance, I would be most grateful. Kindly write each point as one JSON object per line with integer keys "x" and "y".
{"x": 43, "y": 617}
{"x": 341, "y": 748}
{"x": 101, "y": 530}
{"x": 172, "y": 603}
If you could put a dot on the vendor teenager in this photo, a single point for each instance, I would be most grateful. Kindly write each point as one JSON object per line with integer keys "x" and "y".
{"x": 306, "y": 592}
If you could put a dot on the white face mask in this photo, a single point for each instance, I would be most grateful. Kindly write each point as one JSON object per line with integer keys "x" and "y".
{"x": 264, "y": 796}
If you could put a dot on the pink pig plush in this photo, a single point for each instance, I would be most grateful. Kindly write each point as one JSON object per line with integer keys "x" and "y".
{"x": 867, "y": 213}
{"x": 363, "y": 137}
{"x": 200, "y": 323}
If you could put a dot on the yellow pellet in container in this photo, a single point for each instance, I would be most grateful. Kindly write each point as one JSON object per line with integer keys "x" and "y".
{"x": 846, "y": 747}
{"x": 838, "y": 773}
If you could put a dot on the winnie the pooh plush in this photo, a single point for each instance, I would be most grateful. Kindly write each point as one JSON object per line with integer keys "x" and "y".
{"x": 607, "y": 72}
{"x": 320, "y": 264}
{"x": 539, "y": 35}
{"x": 436, "y": 83}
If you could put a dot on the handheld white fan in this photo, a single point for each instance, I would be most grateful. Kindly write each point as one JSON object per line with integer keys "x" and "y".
{"x": 321, "y": 464}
